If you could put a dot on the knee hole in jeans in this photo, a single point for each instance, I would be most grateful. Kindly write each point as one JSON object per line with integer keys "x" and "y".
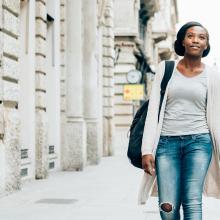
{"x": 166, "y": 207}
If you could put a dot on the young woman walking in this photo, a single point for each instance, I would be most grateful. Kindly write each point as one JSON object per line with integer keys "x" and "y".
{"x": 180, "y": 153}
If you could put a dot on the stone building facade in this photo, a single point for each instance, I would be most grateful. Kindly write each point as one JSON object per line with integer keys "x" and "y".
{"x": 9, "y": 96}
{"x": 30, "y": 91}
{"x": 62, "y": 64}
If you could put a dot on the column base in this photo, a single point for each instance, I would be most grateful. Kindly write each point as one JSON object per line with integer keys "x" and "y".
{"x": 10, "y": 153}
{"x": 108, "y": 146}
{"x": 74, "y": 153}
{"x": 94, "y": 140}
{"x": 41, "y": 170}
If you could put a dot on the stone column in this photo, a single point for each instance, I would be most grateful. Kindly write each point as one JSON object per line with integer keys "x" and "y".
{"x": 90, "y": 78}
{"x": 63, "y": 80}
{"x": 75, "y": 151}
{"x": 108, "y": 80}
{"x": 41, "y": 129}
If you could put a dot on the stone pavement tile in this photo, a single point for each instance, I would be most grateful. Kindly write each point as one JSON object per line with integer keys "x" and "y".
{"x": 211, "y": 208}
{"x": 151, "y": 210}
{"x": 104, "y": 192}
{"x": 107, "y": 213}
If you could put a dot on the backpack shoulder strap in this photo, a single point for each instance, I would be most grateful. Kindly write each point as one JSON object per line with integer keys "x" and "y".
{"x": 169, "y": 65}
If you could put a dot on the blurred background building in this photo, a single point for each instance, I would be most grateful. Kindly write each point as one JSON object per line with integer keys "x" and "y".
{"x": 144, "y": 35}
{"x": 64, "y": 67}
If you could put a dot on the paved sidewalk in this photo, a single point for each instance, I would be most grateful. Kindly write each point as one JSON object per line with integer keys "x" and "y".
{"x": 104, "y": 192}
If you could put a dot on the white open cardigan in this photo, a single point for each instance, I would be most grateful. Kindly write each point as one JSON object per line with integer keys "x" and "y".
{"x": 152, "y": 132}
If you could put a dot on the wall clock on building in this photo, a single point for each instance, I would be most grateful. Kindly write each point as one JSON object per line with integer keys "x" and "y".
{"x": 134, "y": 76}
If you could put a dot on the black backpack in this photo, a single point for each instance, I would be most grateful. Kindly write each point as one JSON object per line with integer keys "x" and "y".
{"x": 137, "y": 126}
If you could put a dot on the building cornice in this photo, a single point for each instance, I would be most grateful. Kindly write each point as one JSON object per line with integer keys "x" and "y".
{"x": 159, "y": 36}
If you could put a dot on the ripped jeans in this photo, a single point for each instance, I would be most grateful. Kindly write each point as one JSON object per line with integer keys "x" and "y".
{"x": 181, "y": 166}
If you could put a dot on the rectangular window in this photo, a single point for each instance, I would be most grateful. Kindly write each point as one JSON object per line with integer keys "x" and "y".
{"x": 24, "y": 153}
{"x": 24, "y": 172}
{"x": 51, "y": 149}
{"x": 52, "y": 165}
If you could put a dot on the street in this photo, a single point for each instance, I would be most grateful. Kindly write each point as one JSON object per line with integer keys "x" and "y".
{"x": 104, "y": 192}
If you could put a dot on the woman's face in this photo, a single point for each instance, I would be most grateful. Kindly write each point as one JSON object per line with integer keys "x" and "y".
{"x": 195, "y": 41}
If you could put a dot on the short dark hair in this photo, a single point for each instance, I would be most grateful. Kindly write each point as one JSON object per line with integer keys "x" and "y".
{"x": 179, "y": 48}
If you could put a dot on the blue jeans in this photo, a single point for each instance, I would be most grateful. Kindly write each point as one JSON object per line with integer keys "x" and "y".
{"x": 181, "y": 166}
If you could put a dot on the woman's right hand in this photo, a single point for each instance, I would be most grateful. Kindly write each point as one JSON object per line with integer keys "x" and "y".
{"x": 148, "y": 164}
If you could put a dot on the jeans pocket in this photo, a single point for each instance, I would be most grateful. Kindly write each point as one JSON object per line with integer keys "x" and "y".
{"x": 163, "y": 140}
{"x": 161, "y": 147}
{"x": 204, "y": 138}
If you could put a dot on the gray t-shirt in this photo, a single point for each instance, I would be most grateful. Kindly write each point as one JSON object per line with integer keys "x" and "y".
{"x": 185, "y": 111}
